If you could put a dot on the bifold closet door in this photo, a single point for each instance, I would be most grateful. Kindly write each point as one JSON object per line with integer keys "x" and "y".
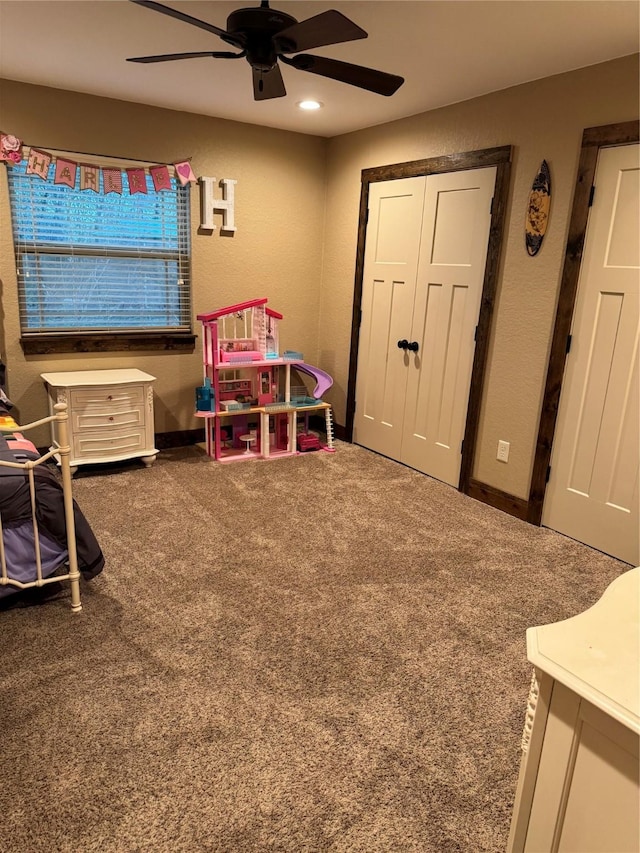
{"x": 425, "y": 257}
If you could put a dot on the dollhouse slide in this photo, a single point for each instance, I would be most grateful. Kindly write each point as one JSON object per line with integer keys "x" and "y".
{"x": 323, "y": 380}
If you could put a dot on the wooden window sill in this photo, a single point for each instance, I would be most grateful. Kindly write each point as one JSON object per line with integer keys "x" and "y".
{"x": 125, "y": 342}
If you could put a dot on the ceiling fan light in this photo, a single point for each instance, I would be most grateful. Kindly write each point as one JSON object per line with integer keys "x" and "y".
{"x": 309, "y": 105}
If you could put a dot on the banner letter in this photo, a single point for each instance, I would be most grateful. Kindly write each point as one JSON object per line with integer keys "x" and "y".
{"x": 38, "y": 164}
{"x": 89, "y": 178}
{"x": 112, "y": 180}
{"x": 160, "y": 177}
{"x": 137, "y": 181}
{"x": 65, "y": 172}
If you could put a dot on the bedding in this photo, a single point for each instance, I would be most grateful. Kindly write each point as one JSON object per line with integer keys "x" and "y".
{"x": 34, "y": 523}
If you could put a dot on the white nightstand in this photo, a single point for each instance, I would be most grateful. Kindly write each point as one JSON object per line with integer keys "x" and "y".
{"x": 110, "y": 414}
{"x": 579, "y": 777}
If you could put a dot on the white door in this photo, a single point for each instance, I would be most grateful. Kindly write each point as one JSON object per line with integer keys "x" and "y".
{"x": 390, "y": 270}
{"x": 592, "y": 493}
{"x": 424, "y": 264}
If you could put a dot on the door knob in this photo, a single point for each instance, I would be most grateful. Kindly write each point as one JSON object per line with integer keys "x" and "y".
{"x": 414, "y": 346}
{"x": 403, "y": 344}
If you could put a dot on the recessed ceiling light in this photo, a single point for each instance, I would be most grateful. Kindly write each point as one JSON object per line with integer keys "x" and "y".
{"x": 309, "y": 105}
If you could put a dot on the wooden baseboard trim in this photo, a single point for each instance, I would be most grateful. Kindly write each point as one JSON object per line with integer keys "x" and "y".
{"x": 498, "y": 499}
{"x": 180, "y": 438}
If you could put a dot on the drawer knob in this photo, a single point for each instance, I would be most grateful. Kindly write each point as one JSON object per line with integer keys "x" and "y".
{"x": 109, "y": 397}
{"x": 111, "y": 418}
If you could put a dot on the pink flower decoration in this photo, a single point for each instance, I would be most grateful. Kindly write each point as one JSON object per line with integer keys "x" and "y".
{"x": 10, "y": 148}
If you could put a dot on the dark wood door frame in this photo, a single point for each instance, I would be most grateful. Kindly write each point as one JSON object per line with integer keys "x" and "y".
{"x": 501, "y": 158}
{"x": 593, "y": 139}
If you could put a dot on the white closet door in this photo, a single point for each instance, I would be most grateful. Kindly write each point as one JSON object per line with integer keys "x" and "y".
{"x": 592, "y": 494}
{"x": 388, "y": 289}
{"x": 453, "y": 253}
{"x": 424, "y": 265}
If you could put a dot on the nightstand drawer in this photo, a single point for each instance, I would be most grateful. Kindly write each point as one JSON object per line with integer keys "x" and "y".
{"x": 95, "y": 419}
{"x": 108, "y": 398}
{"x": 106, "y": 443}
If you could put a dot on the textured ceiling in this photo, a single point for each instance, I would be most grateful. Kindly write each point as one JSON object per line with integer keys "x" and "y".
{"x": 447, "y": 51}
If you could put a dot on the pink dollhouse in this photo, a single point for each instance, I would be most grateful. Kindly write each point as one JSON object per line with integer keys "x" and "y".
{"x": 252, "y": 410}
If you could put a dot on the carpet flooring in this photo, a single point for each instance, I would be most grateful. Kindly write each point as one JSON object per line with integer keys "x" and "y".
{"x": 319, "y": 653}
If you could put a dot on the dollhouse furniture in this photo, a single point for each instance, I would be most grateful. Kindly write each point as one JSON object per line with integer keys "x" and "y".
{"x": 578, "y": 788}
{"x": 44, "y": 537}
{"x": 110, "y": 414}
{"x": 248, "y": 439}
{"x": 255, "y": 412}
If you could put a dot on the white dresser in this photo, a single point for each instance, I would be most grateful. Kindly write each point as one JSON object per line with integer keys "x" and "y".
{"x": 579, "y": 779}
{"x": 110, "y": 414}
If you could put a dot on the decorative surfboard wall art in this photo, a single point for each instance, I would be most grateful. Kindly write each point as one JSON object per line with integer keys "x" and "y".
{"x": 538, "y": 210}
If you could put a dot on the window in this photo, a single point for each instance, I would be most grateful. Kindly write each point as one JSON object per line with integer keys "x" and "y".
{"x": 92, "y": 266}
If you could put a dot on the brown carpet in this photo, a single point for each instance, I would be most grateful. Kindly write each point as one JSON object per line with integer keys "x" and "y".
{"x": 319, "y": 653}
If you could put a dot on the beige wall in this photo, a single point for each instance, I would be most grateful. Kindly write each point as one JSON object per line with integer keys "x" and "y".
{"x": 297, "y": 216}
{"x": 541, "y": 120}
{"x": 276, "y": 251}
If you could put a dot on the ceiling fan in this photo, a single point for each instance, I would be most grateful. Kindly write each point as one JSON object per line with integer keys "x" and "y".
{"x": 263, "y": 36}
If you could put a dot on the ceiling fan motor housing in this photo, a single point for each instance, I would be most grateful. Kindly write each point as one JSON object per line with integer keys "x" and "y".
{"x": 257, "y": 27}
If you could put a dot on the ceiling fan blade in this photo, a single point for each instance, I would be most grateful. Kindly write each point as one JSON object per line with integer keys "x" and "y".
{"x": 268, "y": 84}
{"x": 354, "y": 75}
{"x": 188, "y": 19}
{"x": 330, "y": 27}
{"x": 167, "y": 57}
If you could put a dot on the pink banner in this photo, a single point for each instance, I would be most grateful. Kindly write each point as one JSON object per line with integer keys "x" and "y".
{"x": 65, "y": 172}
{"x": 160, "y": 177}
{"x": 184, "y": 172}
{"x": 89, "y": 178}
{"x": 137, "y": 181}
{"x": 112, "y": 180}
{"x": 39, "y": 162}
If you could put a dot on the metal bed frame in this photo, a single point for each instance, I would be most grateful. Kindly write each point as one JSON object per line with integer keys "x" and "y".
{"x": 60, "y": 451}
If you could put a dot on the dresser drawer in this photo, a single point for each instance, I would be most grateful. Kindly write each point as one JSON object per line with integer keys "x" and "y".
{"x": 106, "y": 443}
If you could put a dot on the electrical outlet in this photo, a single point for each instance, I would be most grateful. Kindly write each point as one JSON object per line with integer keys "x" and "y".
{"x": 503, "y": 451}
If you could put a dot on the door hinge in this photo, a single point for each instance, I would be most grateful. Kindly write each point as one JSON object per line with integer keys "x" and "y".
{"x": 462, "y": 447}
{"x": 568, "y": 347}
{"x": 546, "y": 479}
{"x": 592, "y": 193}
{"x": 475, "y": 334}
{"x": 491, "y": 205}
{"x": 366, "y": 217}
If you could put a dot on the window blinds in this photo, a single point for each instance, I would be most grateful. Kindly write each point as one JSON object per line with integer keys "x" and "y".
{"x": 89, "y": 262}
